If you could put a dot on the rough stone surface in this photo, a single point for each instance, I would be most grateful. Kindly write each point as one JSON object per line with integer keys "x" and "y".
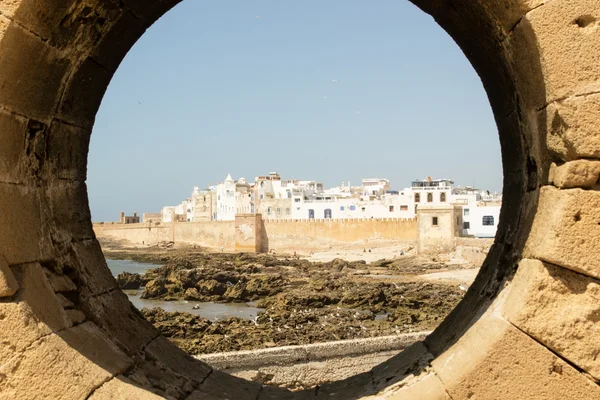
{"x": 560, "y": 309}
{"x": 577, "y": 174}
{"x": 162, "y": 351}
{"x": 122, "y": 388}
{"x": 428, "y": 387}
{"x": 538, "y": 61}
{"x": 568, "y": 44}
{"x": 120, "y": 320}
{"x": 494, "y": 360}
{"x": 23, "y": 236}
{"x": 14, "y": 129}
{"x": 39, "y": 296}
{"x": 74, "y": 362}
{"x": 399, "y": 367}
{"x": 60, "y": 283}
{"x": 567, "y": 220}
{"x": 75, "y": 316}
{"x": 8, "y": 283}
{"x": 221, "y": 386}
{"x": 34, "y": 93}
{"x": 572, "y": 126}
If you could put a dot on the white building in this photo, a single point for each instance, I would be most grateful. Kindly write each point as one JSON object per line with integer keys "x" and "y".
{"x": 375, "y": 187}
{"x": 481, "y": 220}
{"x": 233, "y": 198}
{"x": 275, "y": 198}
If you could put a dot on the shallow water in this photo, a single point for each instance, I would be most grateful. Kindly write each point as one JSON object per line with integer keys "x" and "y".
{"x": 118, "y": 266}
{"x": 211, "y": 311}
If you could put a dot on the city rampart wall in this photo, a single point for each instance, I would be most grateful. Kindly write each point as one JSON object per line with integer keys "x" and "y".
{"x": 297, "y": 235}
{"x": 283, "y": 235}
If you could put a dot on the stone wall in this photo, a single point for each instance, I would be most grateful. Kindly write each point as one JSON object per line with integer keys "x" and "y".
{"x": 304, "y": 235}
{"x": 214, "y": 235}
{"x": 249, "y": 233}
{"x": 438, "y": 226}
{"x": 527, "y": 328}
{"x": 312, "y": 364}
{"x": 285, "y": 236}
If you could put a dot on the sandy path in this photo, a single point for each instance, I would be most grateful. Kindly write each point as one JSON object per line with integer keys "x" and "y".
{"x": 354, "y": 254}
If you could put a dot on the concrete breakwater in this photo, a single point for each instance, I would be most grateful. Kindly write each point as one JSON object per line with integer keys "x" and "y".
{"x": 313, "y": 364}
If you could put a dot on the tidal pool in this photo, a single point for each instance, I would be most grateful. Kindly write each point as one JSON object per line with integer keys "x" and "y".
{"x": 211, "y": 311}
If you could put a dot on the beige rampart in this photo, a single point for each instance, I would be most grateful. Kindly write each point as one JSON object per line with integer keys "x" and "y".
{"x": 251, "y": 233}
{"x": 526, "y": 329}
{"x": 305, "y": 235}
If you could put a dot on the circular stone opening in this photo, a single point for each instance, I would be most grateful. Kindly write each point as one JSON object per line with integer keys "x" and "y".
{"x": 56, "y": 63}
{"x": 300, "y": 303}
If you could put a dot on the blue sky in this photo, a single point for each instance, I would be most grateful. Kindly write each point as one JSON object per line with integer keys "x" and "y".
{"x": 334, "y": 91}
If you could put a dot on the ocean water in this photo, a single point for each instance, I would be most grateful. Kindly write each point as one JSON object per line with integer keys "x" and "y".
{"x": 211, "y": 311}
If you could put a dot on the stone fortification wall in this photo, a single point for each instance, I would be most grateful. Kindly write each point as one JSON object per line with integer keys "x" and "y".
{"x": 214, "y": 235}
{"x": 290, "y": 235}
{"x": 137, "y": 234}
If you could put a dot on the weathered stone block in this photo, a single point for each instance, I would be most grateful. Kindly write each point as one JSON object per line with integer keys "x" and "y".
{"x": 354, "y": 387}
{"x": 120, "y": 320}
{"x": 568, "y": 46}
{"x": 572, "y": 127}
{"x": 150, "y": 11}
{"x": 67, "y": 151}
{"x": 118, "y": 41}
{"x": 220, "y": 385}
{"x": 169, "y": 355}
{"x": 83, "y": 94}
{"x": 60, "y": 283}
{"x": 425, "y": 388}
{"x": 62, "y": 23}
{"x": 22, "y": 235}
{"x": 560, "y": 309}
{"x": 75, "y": 316}
{"x": 161, "y": 380}
{"x": 92, "y": 270}
{"x": 70, "y": 210}
{"x": 26, "y": 90}
{"x": 35, "y": 312}
{"x": 567, "y": 220}
{"x": 494, "y": 360}
{"x": 122, "y": 388}
{"x": 8, "y": 283}
{"x": 90, "y": 342}
{"x": 74, "y": 364}
{"x": 19, "y": 328}
{"x": 509, "y": 12}
{"x": 12, "y": 134}
{"x": 4, "y": 24}
{"x": 38, "y": 295}
{"x": 409, "y": 361}
{"x": 577, "y": 174}
{"x": 64, "y": 302}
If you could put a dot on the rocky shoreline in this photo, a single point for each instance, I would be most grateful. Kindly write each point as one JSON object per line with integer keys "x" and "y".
{"x": 306, "y": 302}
